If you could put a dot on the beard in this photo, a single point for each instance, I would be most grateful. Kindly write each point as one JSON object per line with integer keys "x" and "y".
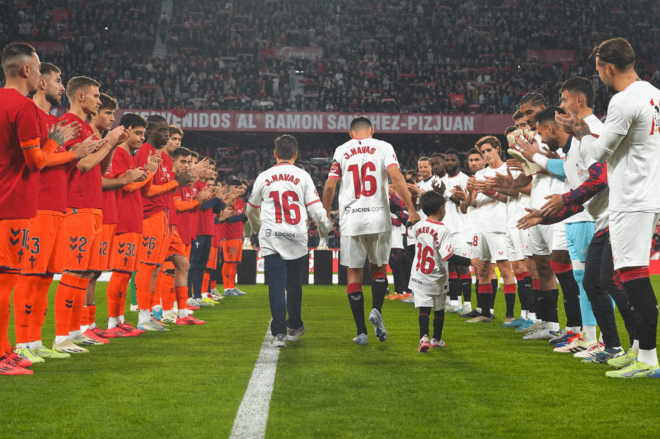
{"x": 439, "y": 171}
{"x": 450, "y": 169}
{"x": 54, "y": 99}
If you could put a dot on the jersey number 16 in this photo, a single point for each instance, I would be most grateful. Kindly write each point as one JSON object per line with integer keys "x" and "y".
{"x": 367, "y": 185}
{"x": 291, "y": 211}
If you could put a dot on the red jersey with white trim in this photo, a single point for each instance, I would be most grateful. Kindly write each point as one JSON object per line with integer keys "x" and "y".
{"x": 285, "y": 194}
{"x": 194, "y": 217}
{"x": 52, "y": 182}
{"x": 184, "y": 218}
{"x": 110, "y": 197}
{"x": 205, "y": 218}
{"x": 20, "y": 121}
{"x": 235, "y": 230}
{"x": 361, "y": 165}
{"x": 430, "y": 269}
{"x": 164, "y": 174}
{"x": 129, "y": 204}
{"x": 83, "y": 188}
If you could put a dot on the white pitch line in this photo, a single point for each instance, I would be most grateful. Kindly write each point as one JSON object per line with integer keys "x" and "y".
{"x": 252, "y": 415}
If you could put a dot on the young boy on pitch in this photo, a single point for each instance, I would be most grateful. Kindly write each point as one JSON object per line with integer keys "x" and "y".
{"x": 429, "y": 279}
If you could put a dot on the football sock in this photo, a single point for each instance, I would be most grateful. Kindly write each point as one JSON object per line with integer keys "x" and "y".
{"x": 69, "y": 302}
{"x": 550, "y": 298}
{"x": 476, "y": 290}
{"x": 648, "y": 356}
{"x": 494, "y": 284}
{"x": 438, "y": 323}
{"x": 540, "y": 305}
{"x": 181, "y": 298}
{"x": 356, "y": 299}
{"x": 466, "y": 286}
{"x": 206, "y": 281}
{"x": 116, "y": 292}
{"x": 510, "y": 299}
{"x": 638, "y": 285}
{"x": 590, "y": 334}
{"x": 7, "y": 283}
{"x": 26, "y": 288}
{"x": 229, "y": 275}
{"x": 379, "y": 289}
{"x": 144, "y": 315}
{"x": 143, "y": 285}
{"x": 113, "y": 322}
{"x": 571, "y": 292}
{"x": 92, "y": 315}
{"x": 486, "y": 293}
{"x": 635, "y": 346}
{"x": 424, "y": 321}
{"x": 39, "y": 308}
{"x": 167, "y": 294}
{"x": 156, "y": 293}
{"x": 84, "y": 319}
{"x": 213, "y": 285}
{"x": 454, "y": 287}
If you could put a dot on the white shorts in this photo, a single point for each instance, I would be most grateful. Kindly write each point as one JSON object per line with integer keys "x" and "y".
{"x": 527, "y": 252}
{"x": 515, "y": 246}
{"x": 356, "y": 249}
{"x": 426, "y": 300}
{"x": 631, "y": 234}
{"x": 543, "y": 240}
{"x": 489, "y": 246}
{"x": 460, "y": 245}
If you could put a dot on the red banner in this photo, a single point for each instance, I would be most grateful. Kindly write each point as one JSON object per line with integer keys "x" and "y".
{"x": 276, "y": 122}
{"x": 551, "y": 55}
{"x": 458, "y": 100}
{"x": 60, "y": 14}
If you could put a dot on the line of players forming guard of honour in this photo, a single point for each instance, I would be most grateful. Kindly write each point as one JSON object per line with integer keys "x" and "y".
{"x": 575, "y": 208}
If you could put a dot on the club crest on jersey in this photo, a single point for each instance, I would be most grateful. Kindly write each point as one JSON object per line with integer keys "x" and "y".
{"x": 359, "y": 150}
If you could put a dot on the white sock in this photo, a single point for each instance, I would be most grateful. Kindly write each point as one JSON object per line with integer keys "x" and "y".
{"x": 600, "y": 339}
{"x": 183, "y": 313}
{"x": 122, "y": 320}
{"x": 552, "y": 326}
{"x": 113, "y": 322}
{"x": 531, "y": 316}
{"x": 523, "y": 314}
{"x": 92, "y": 326}
{"x": 157, "y": 308}
{"x": 36, "y": 345}
{"x": 61, "y": 338}
{"x": 144, "y": 316}
{"x": 227, "y": 289}
{"x": 22, "y": 345}
{"x": 74, "y": 334}
{"x": 576, "y": 329}
{"x": 635, "y": 346}
{"x": 84, "y": 328}
{"x": 492, "y": 311}
{"x": 205, "y": 295}
{"x": 648, "y": 356}
{"x": 590, "y": 334}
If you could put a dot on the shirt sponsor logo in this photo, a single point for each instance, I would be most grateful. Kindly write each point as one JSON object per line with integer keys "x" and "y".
{"x": 348, "y": 210}
{"x": 269, "y": 233}
{"x": 421, "y": 282}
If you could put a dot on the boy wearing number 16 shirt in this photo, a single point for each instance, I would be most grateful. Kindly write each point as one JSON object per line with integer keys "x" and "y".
{"x": 281, "y": 199}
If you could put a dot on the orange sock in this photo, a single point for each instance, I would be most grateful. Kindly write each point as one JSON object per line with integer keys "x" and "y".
{"x": 79, "y": 294}
{"x": 64, "y": 298}
{"x": 181, "y": 297}
{"x": 143, "y": 285}
{"x": 212, "y": 286}
{"x": 232, "y": 267}
{"x": 23, "y": 296}
{"x": 7, "y": 283}
{"x": 116, "y": 292}
{"x": 84, "y": 316}
{"x": 205, "y": 282}
{"x": 156, "y": 297}
{"x": 167, "y": 294}
{"x": 92, "y": 314}
{"x": 229, "y": 275}
{"x": 39, "y": 307}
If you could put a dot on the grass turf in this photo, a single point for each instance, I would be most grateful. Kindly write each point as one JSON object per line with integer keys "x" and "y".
{"x": 189, "y": 383}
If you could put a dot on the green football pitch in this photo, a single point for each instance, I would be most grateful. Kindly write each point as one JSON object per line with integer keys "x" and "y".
{"x": 189, "y": 383}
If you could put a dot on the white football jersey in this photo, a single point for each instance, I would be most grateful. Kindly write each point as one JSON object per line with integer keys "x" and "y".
{"x": 361, "y": 165}
{"x": 576, "y": 168}
{"x": 425, "y": 185}
{"x": 544, "y": 184}
{"x": 397, "y": 234}
{"x": 513, "y": 208}
{"x": 633, "y": 166}
{"x": 454, "y": 219}
{"x": 430, "y": 272}
{"x": 490, "y": 215}
{"x": 285, "y": 193}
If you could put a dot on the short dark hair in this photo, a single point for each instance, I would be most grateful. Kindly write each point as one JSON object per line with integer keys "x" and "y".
{"x": 48, "y": 68}
{"x": 154, "y": 119}
{"x": 437, "y": 154}
{"x": 132, "y": 120}
{"x": 452, "y": 151}
{"x": 78, "y": 82}
{"x": 235, "y": 182}
{"x": 432, "y": 202}
{"x": 361, "y": 123}
{"x": 518, "y": 115}
{"x": 583, "y": 86}
{"x": 494, "y": 141}
{"x": 509, "y": 130}
{"x": 181, "y": 152}
{"x": 286, "y": 147}
{"x": 616, "y": 51}
{"x": 203, "y": 157}
{"x": 176, "y": 130}
{"x": 245, "y": 183}
{"x": 108, "y": 102}
{"x": 474, "y": 151}
{"x": 195, "y": 154}
{"x": 13, "y": 51}
{"x": 548, "y": 114}
{"x": 534, "y": 98}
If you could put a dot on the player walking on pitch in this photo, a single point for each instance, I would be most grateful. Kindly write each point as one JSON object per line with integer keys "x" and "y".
{"x": 362, "y": 165}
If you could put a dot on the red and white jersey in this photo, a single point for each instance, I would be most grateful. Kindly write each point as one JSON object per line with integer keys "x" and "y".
{"x": 361, "y": 165}
{"x": 490, "y": 214}
{"x": 454, "y": 219}
{"x": 544, "y": 184}
{"x": 285, "y": 194}
{"x": 430, "y": 273}
{"x": 425, "y": 185}
{"x": 630, "y": 143}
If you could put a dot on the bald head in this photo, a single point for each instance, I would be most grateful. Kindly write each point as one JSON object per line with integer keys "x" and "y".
{"x": 21, "y": 63}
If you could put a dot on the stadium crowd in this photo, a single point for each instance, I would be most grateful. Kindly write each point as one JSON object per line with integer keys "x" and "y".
{"x": 406, "y": 56}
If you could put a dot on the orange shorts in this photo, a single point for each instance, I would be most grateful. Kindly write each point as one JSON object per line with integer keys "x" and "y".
{"x": 123, "y": 253}
{"x": 213, "y": 259}
{"x": 107, "y": 236}
{"x": 14, "y": 233}
{"x": 188, "y": 248}
{"x": 46, "y": 243}
{"x": 82, "y": 229}
{"x": 173, "y": 246}
{"x": 232, "y": 250}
